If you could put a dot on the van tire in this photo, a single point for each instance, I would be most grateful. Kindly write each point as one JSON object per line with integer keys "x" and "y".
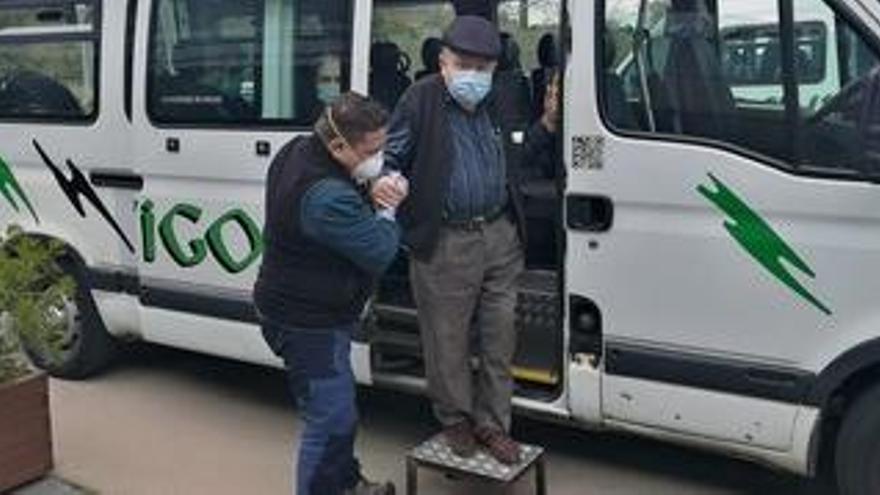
{"x": 91, "y": 348}
{"x": 858, "y": 446}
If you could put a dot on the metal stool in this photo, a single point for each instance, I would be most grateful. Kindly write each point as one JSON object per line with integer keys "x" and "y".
{"x": 435, "y": 454}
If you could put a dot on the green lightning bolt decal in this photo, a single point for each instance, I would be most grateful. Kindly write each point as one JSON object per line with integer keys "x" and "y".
{"x": 9, "y": 185}
{"x": 760, "y": 240}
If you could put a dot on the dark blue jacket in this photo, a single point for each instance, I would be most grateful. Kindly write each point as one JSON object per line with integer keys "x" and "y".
{"x": 420, "y": 145}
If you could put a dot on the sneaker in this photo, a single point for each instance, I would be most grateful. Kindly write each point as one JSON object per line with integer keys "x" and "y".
{"x": 366, "y": 487}
{"x": 499, "y": 444}
{"x": 460, "y": 439}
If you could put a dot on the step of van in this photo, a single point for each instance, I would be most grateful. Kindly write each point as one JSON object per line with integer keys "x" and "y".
{"x": 396, "y": 340}
{"x": 538, "y": 357}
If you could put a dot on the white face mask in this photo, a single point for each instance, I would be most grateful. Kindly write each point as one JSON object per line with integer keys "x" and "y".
{"x": 369, "y": 168}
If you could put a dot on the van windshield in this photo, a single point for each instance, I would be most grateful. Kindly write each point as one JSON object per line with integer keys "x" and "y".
{"x": 800, "y": 85}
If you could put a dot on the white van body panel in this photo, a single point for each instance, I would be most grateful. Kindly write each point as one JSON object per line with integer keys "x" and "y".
{"x": 671, "y": 280}
{"x": 668, "y": 277}
{"x": 795, "y": 460}
{"x": 754, "y": 422}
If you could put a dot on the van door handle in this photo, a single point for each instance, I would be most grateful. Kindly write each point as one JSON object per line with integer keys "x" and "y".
{"x": 263, "y": 148}
{"x": 589, "y": 213}
{"x": 116, "y": 179}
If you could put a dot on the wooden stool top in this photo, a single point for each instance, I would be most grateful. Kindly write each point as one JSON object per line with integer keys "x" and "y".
{"x": 435, "y": 453}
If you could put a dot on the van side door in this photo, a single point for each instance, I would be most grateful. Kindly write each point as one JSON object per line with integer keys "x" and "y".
{"x": 221, "y": 86}
{"x": 727, "y": 236}
{"x": 63, "y": 131}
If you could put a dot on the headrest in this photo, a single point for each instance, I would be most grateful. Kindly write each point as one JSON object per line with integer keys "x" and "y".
{"x": 547, "y": 52}
{"x": 689, "y": 19}
{"x": 482, "y": 8}
{"x": 510, "y": 54}
{"x": 431, "y": 49}
{"x": 386, "y": 56}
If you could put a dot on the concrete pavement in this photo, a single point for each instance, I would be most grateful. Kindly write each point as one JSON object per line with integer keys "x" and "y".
{"x": 169, "y": 422}
{"x": 50, "y": 486}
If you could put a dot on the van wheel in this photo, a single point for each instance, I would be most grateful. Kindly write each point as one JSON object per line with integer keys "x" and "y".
{"x": 85, "y": 345}
{"x": 858, "y": 447}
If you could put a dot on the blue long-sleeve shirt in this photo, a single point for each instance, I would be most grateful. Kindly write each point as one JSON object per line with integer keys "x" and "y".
{"x": 336, "y": 216}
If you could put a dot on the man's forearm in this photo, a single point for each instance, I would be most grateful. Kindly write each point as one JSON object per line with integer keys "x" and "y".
{"x": 335, "y": 216}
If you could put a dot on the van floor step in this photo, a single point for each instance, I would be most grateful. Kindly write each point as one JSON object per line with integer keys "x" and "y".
{"x": 396, "y": 338}
{"x": 403, "y": 353}
{"x": 397, "y": 314}
{"x": 408, "y": 343}
{"x": 538, "y": 281}
{"x": 539, "y": 339}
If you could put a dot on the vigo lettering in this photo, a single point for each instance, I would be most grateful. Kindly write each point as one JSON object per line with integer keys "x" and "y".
{"x": 214, "y": 241}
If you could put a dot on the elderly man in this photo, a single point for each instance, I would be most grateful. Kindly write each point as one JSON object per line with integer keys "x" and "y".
{"x": 461, "y": 227}
{"x": 325, "y": 248}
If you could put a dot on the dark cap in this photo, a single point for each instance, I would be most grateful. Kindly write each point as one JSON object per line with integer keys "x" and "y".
{"x": 473, "y": 35}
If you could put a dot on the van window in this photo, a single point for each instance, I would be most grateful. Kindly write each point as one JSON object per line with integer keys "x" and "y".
{"x": 529, "y": 32}
{"x": 238, "y": 62}
{"x": 801, "y": 88}
{"x": 528, "y": 22}
{"x": 48, "y": 60}
{"x": 748, "y": 54}
{"x": 405, "y": 45}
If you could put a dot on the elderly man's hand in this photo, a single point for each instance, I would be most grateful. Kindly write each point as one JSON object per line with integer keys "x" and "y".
{"x": 389, "y": 191}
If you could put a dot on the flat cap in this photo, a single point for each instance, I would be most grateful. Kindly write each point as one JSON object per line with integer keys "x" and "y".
{"x": 473, "y": 35}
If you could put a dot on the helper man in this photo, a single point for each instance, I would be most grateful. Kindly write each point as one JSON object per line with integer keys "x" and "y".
{"x": 325, "y": 248}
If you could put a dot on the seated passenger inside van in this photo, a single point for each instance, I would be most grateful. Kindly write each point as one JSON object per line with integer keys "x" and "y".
{"x": 319, "y": 84}
{"x": 328, "y": 79}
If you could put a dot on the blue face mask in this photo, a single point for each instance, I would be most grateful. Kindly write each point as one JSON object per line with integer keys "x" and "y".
{"x": 470, "y": 87}
{"x": 328, "y": 93}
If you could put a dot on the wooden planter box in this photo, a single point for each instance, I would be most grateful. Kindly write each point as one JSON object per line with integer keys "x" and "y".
{"x": 25, "y": 431}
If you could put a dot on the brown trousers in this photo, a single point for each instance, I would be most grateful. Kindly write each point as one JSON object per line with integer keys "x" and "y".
{"x": 470, "y": 283}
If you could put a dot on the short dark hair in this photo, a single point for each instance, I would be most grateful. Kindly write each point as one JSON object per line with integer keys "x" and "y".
{"x": 351, "y": 116}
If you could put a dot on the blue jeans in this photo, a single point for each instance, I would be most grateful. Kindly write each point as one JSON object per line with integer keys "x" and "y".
{"x": 322, "y": 384}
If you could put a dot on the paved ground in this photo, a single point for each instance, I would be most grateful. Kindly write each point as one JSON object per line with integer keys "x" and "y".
{"x": 50, "y": 486}
{"x": 167, "y": 422}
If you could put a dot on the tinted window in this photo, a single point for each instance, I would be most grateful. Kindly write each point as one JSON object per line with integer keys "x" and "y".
{"x": 48, "y": 61}
{"x": 247, "y": 61}
{"x": 750, "y": 54}
{"x": 405, "y": 45}
{"x": 801, "y": 87}
{"x": 841, "y": 115}
{"x": 527, "y": 22}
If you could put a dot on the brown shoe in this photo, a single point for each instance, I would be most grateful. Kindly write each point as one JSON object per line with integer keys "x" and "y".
{"x": 460, "y": 439}
{"x": 499, "y": 444}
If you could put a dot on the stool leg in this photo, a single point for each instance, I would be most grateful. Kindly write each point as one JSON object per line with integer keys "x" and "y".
{"x": 540, "y": 477}
{"x": 412, "y": 477}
